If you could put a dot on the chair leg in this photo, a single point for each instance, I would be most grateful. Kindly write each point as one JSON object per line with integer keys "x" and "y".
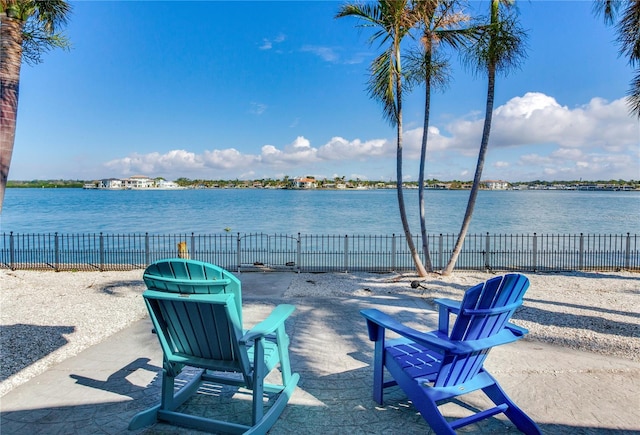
{"x": 517, "y": 416}
{"x": 378, "y": 369}
{"x": 169, "y": 401}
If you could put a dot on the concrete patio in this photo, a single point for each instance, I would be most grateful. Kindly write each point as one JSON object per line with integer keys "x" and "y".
{"x": 98, "y": 391}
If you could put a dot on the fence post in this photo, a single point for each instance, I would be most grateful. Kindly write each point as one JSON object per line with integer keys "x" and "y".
{"x": 487, "y": 247}
{"x": 56, "y": 252}
{"x": 239, "y": 255}
{"x": 299, "y": 253}
{"x": 147, "y": 250}
{"x": 535, "y": 253}
{"x": 441, "y": 252}
{"x": 346, "y": 253}
{"x": 101, "y": 252}
{"x": 627, "y": 254}
{"x": 11, "y": 252}
{"x": 581, "y": 253}
{"x": 393, "y": 252}
{"x": 193, "y": 246}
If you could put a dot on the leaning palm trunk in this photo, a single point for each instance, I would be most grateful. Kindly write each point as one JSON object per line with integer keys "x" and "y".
{"x": 10, "y": 61}
{"x": 504, "y": 49}
{"x": 473, "y": 195}
{"x": 423, "y": 158}
{"x": 403, "y": 213}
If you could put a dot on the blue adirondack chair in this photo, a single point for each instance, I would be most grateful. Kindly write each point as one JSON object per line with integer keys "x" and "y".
{"x": 435, "y": 367}
{"x": 181, "y": 275}
{"x": 204, "y": 331}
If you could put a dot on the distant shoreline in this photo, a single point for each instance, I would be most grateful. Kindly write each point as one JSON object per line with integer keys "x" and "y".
{"x": 408, "y": 186}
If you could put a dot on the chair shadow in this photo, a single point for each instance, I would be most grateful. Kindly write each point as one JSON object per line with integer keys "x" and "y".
{"x": 118, "y": 381}
{"x": 114, "y": 287}
{"x": 22, "y": 345}
{"x": 592, "y": 322}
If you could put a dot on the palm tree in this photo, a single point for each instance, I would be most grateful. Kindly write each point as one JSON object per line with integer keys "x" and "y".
{"x": 439, "y": 22}
{"x": 628, "y": 30}
{"x": 27, "y": 30}
{"x": 499, "y": 48}
{"x": 392, "y": 19}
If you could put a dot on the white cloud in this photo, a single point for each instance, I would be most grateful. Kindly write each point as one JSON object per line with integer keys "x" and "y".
{"x": 533, "y": 137}
{"x": 175, "y": 160}
{"x": 339, "y": 149}
{"x": 536, "y": 118}
{"x": 267, "y": 44}
{"x": 257, "y": 108}
{"x": 327, "y": 54}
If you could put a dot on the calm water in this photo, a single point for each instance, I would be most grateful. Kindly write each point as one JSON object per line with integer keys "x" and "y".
{"x": 314, "y": 212}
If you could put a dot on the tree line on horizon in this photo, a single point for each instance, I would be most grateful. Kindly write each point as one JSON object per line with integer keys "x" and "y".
{"x": 274, "y": 182}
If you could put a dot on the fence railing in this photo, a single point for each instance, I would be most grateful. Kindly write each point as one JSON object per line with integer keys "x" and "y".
{"x": 321, "y": 253}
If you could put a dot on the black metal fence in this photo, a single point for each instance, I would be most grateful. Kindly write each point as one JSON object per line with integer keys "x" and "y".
{"x": 321, "y": 253}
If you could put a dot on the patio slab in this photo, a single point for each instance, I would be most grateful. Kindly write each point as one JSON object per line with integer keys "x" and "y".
{"x": 99, "y": 390}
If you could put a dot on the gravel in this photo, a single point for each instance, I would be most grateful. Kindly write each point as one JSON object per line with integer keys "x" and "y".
{"x": 46, "y": 317}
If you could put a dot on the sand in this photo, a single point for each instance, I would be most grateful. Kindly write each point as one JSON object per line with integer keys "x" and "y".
{"x": 46, "y": 317}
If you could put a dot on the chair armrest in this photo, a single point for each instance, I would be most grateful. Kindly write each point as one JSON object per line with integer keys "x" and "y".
{"x": 270, "y": 324}
{"x": 507, "y": 335}
{"x": 376, "y": 319}
{"x": 448, "y": 304}
{"x": 517, "y": 330}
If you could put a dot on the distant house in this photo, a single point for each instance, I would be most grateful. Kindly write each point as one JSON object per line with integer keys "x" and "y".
{"x": 110, "y": 183}
{"x": 164, "y": 184}
{"x": 304, "y": 183}
{"x": 138, "y": 182}
{"x": 495, "y": 185}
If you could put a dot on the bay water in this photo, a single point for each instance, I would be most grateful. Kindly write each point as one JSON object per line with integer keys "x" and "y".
{"x": 344, "y": 212}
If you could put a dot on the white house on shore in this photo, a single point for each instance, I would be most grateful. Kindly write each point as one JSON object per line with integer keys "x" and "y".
{"x": 495, "y": 184}
{"x": 139, "y": 182}
{"x": 132, "y": 183}
{"x": 303, "y": 183}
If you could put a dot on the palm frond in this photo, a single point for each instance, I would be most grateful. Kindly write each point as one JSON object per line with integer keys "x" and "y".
{"x": 501, "y": 44}
{"x": 633, "y": 95}
{"x": 419, "y": 66}
{"x": 629, "y": 32}
{"x": 607, "y": 8}
{"x": 381, "y": 85}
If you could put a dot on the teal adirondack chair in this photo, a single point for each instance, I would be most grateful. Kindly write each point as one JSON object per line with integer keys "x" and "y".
{"x": 180, "y": 275}
{"x": 204, "y": 331}
{"x": 435, "y": 367}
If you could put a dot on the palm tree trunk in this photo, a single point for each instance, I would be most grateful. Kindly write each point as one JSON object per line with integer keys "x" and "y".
{"x": 423, "y": 159}
{"x": 486, "y": 131}
{"x": 403, "y": 213}
{"x": 10, "y": 61}
{"x": 473, "y": 195}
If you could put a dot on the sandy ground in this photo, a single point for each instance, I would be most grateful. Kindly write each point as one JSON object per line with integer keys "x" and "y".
{"x": 46, "y": 317}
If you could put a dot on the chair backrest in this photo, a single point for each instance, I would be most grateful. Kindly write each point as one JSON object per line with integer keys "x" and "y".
{"x": 484, "y": 312}
{"x": 180, "y": 275}
{"x": 199, "y": 330}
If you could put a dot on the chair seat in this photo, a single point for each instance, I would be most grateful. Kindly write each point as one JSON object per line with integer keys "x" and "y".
{"x": 415, "y": 359}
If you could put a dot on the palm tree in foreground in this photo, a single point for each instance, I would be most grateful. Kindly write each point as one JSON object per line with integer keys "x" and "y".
{"x": 439, "y": 24}
{"x": 628, "y": 30}
{"x": 27, "y": 30}
{"x": 499, "y": 48}
{"x": 393, "y": 22}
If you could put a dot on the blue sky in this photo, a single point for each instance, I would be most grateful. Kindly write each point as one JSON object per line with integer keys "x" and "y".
{"x": 248, "y": 90}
